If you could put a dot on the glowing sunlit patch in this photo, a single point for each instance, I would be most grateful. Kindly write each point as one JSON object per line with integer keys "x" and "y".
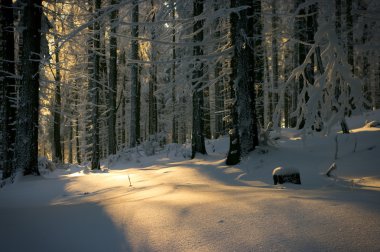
{"x": 231, "y": 170}
{"x": 76, "y": 174}
{"x": 295, "y": 138}
{"x": 363, "y": 129}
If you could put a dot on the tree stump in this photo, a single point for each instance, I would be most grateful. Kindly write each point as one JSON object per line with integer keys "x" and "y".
{"x": 286, "y": 174}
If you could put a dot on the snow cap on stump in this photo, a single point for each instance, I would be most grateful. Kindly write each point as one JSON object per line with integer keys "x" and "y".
{"x": 286, "y": 174}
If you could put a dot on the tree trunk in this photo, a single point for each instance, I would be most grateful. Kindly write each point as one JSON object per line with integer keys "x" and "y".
{"x": 112, "y": 86}
{"x": 350, "y": 51}
{"x": 338, "y": 19}
{"x": 367, "y": 90}
{"x": 274, "y": 57}
{"x": 7, "y": 70}
{"x": 197, "y": 140}
{"x": 300, "y": 52}
{"x": 123, "y": 114}
{"x": 258, "y": 59}
{"x": 26, "y": 151}
{"x": 219, "y": 85}
{"x": 153, "y": 83}
{"x": 173, "y": 81}
{"x": 103, "y": 92}
{"x": 57, "y": 156}
{"x": 206, "y": 113}
{"x": 234, "y": 152}
{"x": 243, "y": 134}
{"x": 267, "y": 114}
{"x": 338, "y": 28}
{"x": 350, "y": 35}
{"x": 78, "y": 152}
{"x": 95, "y": 160}
{"x": 219, "y": 102}
{"x": 135, "y": 85}
{"x": 70, "y": 144}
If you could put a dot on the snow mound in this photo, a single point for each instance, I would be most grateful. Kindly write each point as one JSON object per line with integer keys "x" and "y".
{"x": 372, "y": 124}
{"x": 284, "y": 171}
{"x": 44, "y": 165}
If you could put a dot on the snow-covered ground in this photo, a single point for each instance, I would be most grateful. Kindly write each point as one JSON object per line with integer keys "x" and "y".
{"x": 168, "y": 203}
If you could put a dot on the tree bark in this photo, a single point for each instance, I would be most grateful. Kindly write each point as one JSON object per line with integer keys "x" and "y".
{"x": 77, "y": 143}
{"x": 219, "y": 102}
{"x": 135, "y": 85}
{"x": 173, "y": 81}
{"x": 112, "y": 86}
{"x": 219, "y": 85}
{"x": 243, "y": 134}
{"x": 8, "y": 86}
{"x": 153, "y": 83}
{"x": 258, "y": 59}
{"x": 197, "y": 140}
{"x": 338, "y": 28}
{"x": 70, "y": 144}
{"x": 57, "y": 157}
{"x": 300, "y": 55}
{"x": 95, "y": 160}
{"x": 350, "y": 35}
{"x": 274, "y": 95}
{"x": 26, "y": 151}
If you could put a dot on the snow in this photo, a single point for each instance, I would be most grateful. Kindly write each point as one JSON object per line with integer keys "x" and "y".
{"x": 284, "y": 170}
{"x": 166, "y": 202}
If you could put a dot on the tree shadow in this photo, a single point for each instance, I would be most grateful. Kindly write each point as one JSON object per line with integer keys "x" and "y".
{"x": 30, "y": 222}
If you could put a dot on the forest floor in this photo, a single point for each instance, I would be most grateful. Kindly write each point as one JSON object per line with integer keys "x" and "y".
{"x": 168, "y": 203}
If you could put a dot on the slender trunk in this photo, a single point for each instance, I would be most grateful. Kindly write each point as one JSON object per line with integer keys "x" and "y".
{"x": 301, "y": 51}
{"x": 219, "y": 102}
{"x": 219, "y": 85}
{"x": 95, "y": 160}
{"x": 274, "y": 57}
{"x": 206, "y": 113}
{"x": 90, "y": 90}
{"x": 77, "y": 144}
{"x": 234, "y": 152}
{"x": 350, "y": 35}
{"x": 135, "y": 98}
{"x": 103, "y": 99}
{"x": 173, "y": 77}
{"x": 338, "y": 19}
{"x": 258, "y": 59}
{"x": 311, "y": 24}
{"x": 70, "y": 145}
{"x": 350, "y": 51}
{"x": 338, "y": 28}
{"x": 57, "y": 106}
{"x": 112, "y": 86}
{"x": 153, "y": 83}
{"x": 198, "y": 141}
{"x": 123, "y": 114}
{"x": 367, "y": 90}
{"x": 266, "y": 109}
